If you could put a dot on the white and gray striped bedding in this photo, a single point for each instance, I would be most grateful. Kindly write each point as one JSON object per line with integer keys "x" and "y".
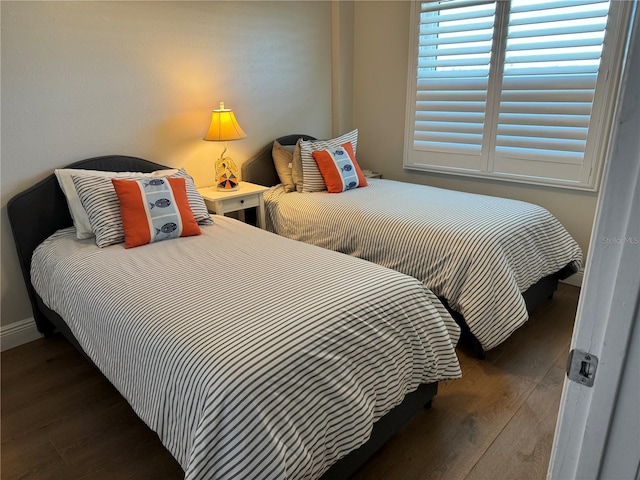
{"x": 252, "y": 356}
{"x": 478, "y": 252}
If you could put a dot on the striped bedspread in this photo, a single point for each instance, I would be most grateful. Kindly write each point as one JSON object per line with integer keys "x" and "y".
{"x": 478, "y": 252}
{"x": 252, "y": 356}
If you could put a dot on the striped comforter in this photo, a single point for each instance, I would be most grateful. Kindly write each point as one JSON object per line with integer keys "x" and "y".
{"x": 478, "y": 252}
{"x": 252, "y": 356}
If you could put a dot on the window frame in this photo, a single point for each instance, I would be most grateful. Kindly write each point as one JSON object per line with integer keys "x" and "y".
{"x": 603, "y": 109}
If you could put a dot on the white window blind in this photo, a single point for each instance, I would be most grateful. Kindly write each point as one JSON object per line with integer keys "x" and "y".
{"x": 520, "y": 90}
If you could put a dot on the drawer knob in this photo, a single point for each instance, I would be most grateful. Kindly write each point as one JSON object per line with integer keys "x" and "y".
{"x": 241, "y": 201}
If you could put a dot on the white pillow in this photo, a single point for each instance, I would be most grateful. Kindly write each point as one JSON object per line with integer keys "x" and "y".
{"x": 312, "y": 180}
{"x": 77, "y": 211}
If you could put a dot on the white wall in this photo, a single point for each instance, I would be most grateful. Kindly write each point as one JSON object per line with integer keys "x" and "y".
{"x": 381, "y": 32}
{"x": 342, "y": 67}
{"x": 81, "y": 79}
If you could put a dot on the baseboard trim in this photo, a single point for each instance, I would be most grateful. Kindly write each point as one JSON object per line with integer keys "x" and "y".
{"x": 575, "y": 279}
{"x": 18, "y": 333}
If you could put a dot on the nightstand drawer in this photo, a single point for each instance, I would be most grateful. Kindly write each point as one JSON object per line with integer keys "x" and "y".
{"x": 233, "y": 204}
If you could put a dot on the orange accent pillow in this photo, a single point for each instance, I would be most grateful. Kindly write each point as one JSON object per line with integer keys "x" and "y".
{"x": 154, "y": 209}
{"x": 339, "y": 168}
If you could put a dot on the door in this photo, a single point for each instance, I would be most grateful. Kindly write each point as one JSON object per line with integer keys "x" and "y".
{"x": 598, "y": 430}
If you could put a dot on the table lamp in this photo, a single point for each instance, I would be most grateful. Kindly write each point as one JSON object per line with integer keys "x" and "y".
{"x": 224, "y": 127}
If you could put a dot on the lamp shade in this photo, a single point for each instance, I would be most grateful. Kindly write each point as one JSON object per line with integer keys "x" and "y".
{"x": 224, "y": 126}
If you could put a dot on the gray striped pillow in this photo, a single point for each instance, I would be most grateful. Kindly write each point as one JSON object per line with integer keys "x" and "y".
{"x": 196, "y": 202}
{"x": 99, "y": 199}
{"x": 311, "y": 177}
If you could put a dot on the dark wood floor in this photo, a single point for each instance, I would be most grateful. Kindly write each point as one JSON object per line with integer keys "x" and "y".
{"x": 62, "y": 420}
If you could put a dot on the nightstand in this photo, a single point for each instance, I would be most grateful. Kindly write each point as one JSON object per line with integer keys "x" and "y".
{"x": 247, "y": 195}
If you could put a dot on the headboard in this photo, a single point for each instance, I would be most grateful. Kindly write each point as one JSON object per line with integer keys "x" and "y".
{"x": 260, "y": 168}
{"x": 41, "y": 210}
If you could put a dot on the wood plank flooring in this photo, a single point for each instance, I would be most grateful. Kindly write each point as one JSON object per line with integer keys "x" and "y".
{"x": 61, "y": 419}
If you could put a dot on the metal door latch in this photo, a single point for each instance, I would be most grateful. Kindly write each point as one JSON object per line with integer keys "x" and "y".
{"x": 581, "y": 367}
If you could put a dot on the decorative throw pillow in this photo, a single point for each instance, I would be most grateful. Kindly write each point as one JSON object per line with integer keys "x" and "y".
{"x": 154, "y": 209}
{"x": 312, "y": 180}
{"x": 283, "y": 161}
{"x": 78, "y": 213}
{"x": 99, "y": 199}
{"x": 339, "y": 168}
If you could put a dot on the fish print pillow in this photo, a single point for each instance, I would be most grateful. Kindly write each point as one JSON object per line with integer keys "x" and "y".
{"x": 154, "y": 209}
{"x": 339, "y": 168}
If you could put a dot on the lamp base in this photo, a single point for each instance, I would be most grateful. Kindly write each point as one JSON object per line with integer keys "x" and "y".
{"x": 226, "y": 189}
{"x": 226, "y": 174}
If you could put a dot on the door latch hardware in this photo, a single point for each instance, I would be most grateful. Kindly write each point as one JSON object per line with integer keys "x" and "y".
{"x": 581, "y": 367}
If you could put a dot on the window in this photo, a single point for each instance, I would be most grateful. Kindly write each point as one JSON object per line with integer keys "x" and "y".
{"x": 519, "y": 90}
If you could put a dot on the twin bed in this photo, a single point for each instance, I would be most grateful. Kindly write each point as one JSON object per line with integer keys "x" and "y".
{"x": 249, "y": 354}
{"x": 490, "y": 260}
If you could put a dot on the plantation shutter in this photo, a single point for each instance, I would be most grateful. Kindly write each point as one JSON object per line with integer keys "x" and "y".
{"x": 454, "y": 58}
{"x": 520, "y": 90}
{"x": 551, "y": 64}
